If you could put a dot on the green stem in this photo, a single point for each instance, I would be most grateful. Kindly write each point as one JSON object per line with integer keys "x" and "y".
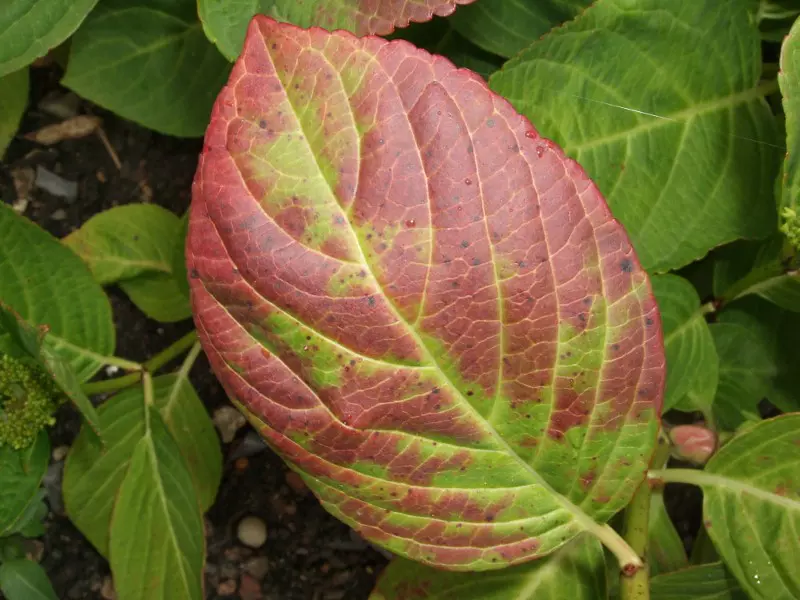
{"x": 147, "y": 384}
{"x": 636, "y": 527}
{"x": 752, "y": 282}
{"x": 152, "y": 365}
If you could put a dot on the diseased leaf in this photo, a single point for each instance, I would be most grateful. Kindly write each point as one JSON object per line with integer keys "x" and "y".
{"x": 577, "y": 571}
{"x": 156, "y": 543}
{"x": 46, "y": 284}
{"x": 752, "y": 507}
{"x": 93, "y": 476}
{"x": 687, "y": 340}
{"x": 706, "y": 582}
{"x": 30, "y": 28}
{"x": 680, "y": 147}
{"x": 420, "y": 303}
{"x": 225, "y": 21}
{"x": 507, "y": 26}
{"x": 23, "y": 579}
{"x": 13, "y": 99}
{"x": 148, "y": 62}
{"x": 21, "y": 473}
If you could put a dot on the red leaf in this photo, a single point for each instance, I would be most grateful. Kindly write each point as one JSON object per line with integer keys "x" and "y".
{"x": 422, "y": 305}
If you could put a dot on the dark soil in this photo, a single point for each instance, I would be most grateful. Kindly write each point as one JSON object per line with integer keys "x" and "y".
{"x": 309, "y": 555}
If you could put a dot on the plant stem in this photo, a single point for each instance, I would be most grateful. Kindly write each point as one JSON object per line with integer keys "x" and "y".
{"x": 147, "y": 384}
{"x": 153, "y": 364}
{"x": 636, "y": 527}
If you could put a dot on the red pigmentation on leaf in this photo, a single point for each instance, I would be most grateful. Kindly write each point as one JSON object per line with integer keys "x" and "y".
{"x": 422, "y": 305}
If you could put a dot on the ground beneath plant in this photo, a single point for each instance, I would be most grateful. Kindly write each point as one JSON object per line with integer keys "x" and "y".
{"x": 308, "y": 555}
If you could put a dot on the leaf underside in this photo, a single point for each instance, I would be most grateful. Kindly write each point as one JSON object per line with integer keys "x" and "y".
{"x": 421, "y": 303}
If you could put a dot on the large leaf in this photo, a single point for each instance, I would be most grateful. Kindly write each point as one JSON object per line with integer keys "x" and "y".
{"x": 225, "y": 21}
{"x": 148, "y": 61}
{"x": 681, "y": 145}
{"x": 752, "y": 506}
{"x": 691, "y": 355}
{"x": 507, "y": 26}
{"x": 93, "y": 476}
{"x": 577, "y": 572}
{"x": 13, "y": 99}
{"x": 23, "y": 579}
{"x": 30, "y": 28}
{"x": 706, "y": 582}
{"x": 422, "y": 304}
{"x": 789, "y": 80}
{"x": 156, "y": 545}
{"x": 21, "y": 473}
{"x": 47, "y": 284}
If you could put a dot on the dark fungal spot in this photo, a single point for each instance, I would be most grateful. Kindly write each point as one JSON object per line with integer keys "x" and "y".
{"x": 476, "y": 261}
{"x": 262, "y": 124}
{"x": 615, "y": 347}
{"x": 194, "y": 274}
{"x": 626, "y": 265}
{"x": 470, "y": 393}
{"x": 490, "y": 123}
{"x": 648, "y": 321}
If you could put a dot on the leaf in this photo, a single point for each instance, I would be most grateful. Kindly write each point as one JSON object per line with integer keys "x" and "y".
{"x": 13, "y": 100}
{"x": 460, "y": 355}
{"x": 665, "y": 551}
{"x": 31, "y": 521}
{"x": 24, "y": 579}
{"x": 745, "y": 371}
{"x": 21, "y": 472}
{"x": 706, "y": 582}
{"x": 789, "y": 80}
{"x": 30, "y": 28}
{"x": 679, "y": 147}
{"x": 687, "y": 340}
{"x": 134, "y": 245}
{"x": 88, "y": 503}
{"x": 179, "y": 256}
{"x": 46, "y": 284}
{"x": 752, "y": 506}
{"x": 156, "y": 546}
{"x": 507, "y": 26}
{"x": 148, "y": 62}
{"x": 225, "y": 21}
{"x": 577, "y": 571}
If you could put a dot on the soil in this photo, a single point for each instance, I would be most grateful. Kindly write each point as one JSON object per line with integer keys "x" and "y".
{"x": 308, "y": 555}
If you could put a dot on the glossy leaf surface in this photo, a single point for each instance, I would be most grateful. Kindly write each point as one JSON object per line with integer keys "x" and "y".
{"x": 13, "y": 99}
{"x": 577, "y": 571}
{"x": 752, "y": 507}
{"x": 679, "y": 147}
{"x": 225, "y": 21}
{"x": 420, "y": 302}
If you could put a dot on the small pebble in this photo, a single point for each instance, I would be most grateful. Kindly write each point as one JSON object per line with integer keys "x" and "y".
{"x": 227, "y": 587}
{"x": 252, "y": 532}
{"x": 258, "y": 567}
{"x": 59, "y": 214}
{"x": 60, "y": 452}
{"x": 294, "y": 481}
{"x": 107, "y": 591}
{"x": 249, "y": 588}
{"x": 241, "y": 464}
{"x": 228, "y": 421}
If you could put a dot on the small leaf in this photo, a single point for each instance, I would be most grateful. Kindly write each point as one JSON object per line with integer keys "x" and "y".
{"x": 422, "y": 304}
{"x": 156, "y": 543}
{"x": 13, "y": 100}
{"x": 21, "y": 473}
{"x": 30, "y": 28}
{"x": 687, "y": 340}
{"x": 679, "y": 147}
{"x": 47, "y": 284}
{"x": 126, "y": 241}
{"x": 225, "y": 21}
{"x": 31, "y": 522}
{"x": 120, "y": 57}
{"x": 577, "y": 572}
{"x": 745, "y": 372}
{"x": 665, "y": 547}
{"x": 159, "y": 296}
{"x": 507, "y": 26}
{"x": 122, "y": 422}
{"x": 752, "y": 507}
{"x": 706, "y": 582}
{"x": 24, "y": 579}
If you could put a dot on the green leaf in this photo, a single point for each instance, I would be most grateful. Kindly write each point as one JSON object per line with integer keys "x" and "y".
{"x": 21, "y": 473}
{"x": 149, "y": 62}
{"x": 13, "y": 99}
{"x": 706, "y": 582}
{"x": 31, "y": 522}
{"x": 88, "y": 503}
{"x": 745, "y": 371}
{"x": 135, "y": 246}
{"x": 691, "y": 355}
{"x": 179, "y": 256}
{"x": 30, "y": 28}
{"x": 24, "y": 579}
{"x": 577, "y": 572}
{"x": 789, "y": 80}
{"x": 507, "y": 26}
{"x": 752, "y": 506}
{"x": 47, "y": 284}
{"x": 665, "y": 547}
{"x": 680, "y": 148}
{"x": 157, "y": 544}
